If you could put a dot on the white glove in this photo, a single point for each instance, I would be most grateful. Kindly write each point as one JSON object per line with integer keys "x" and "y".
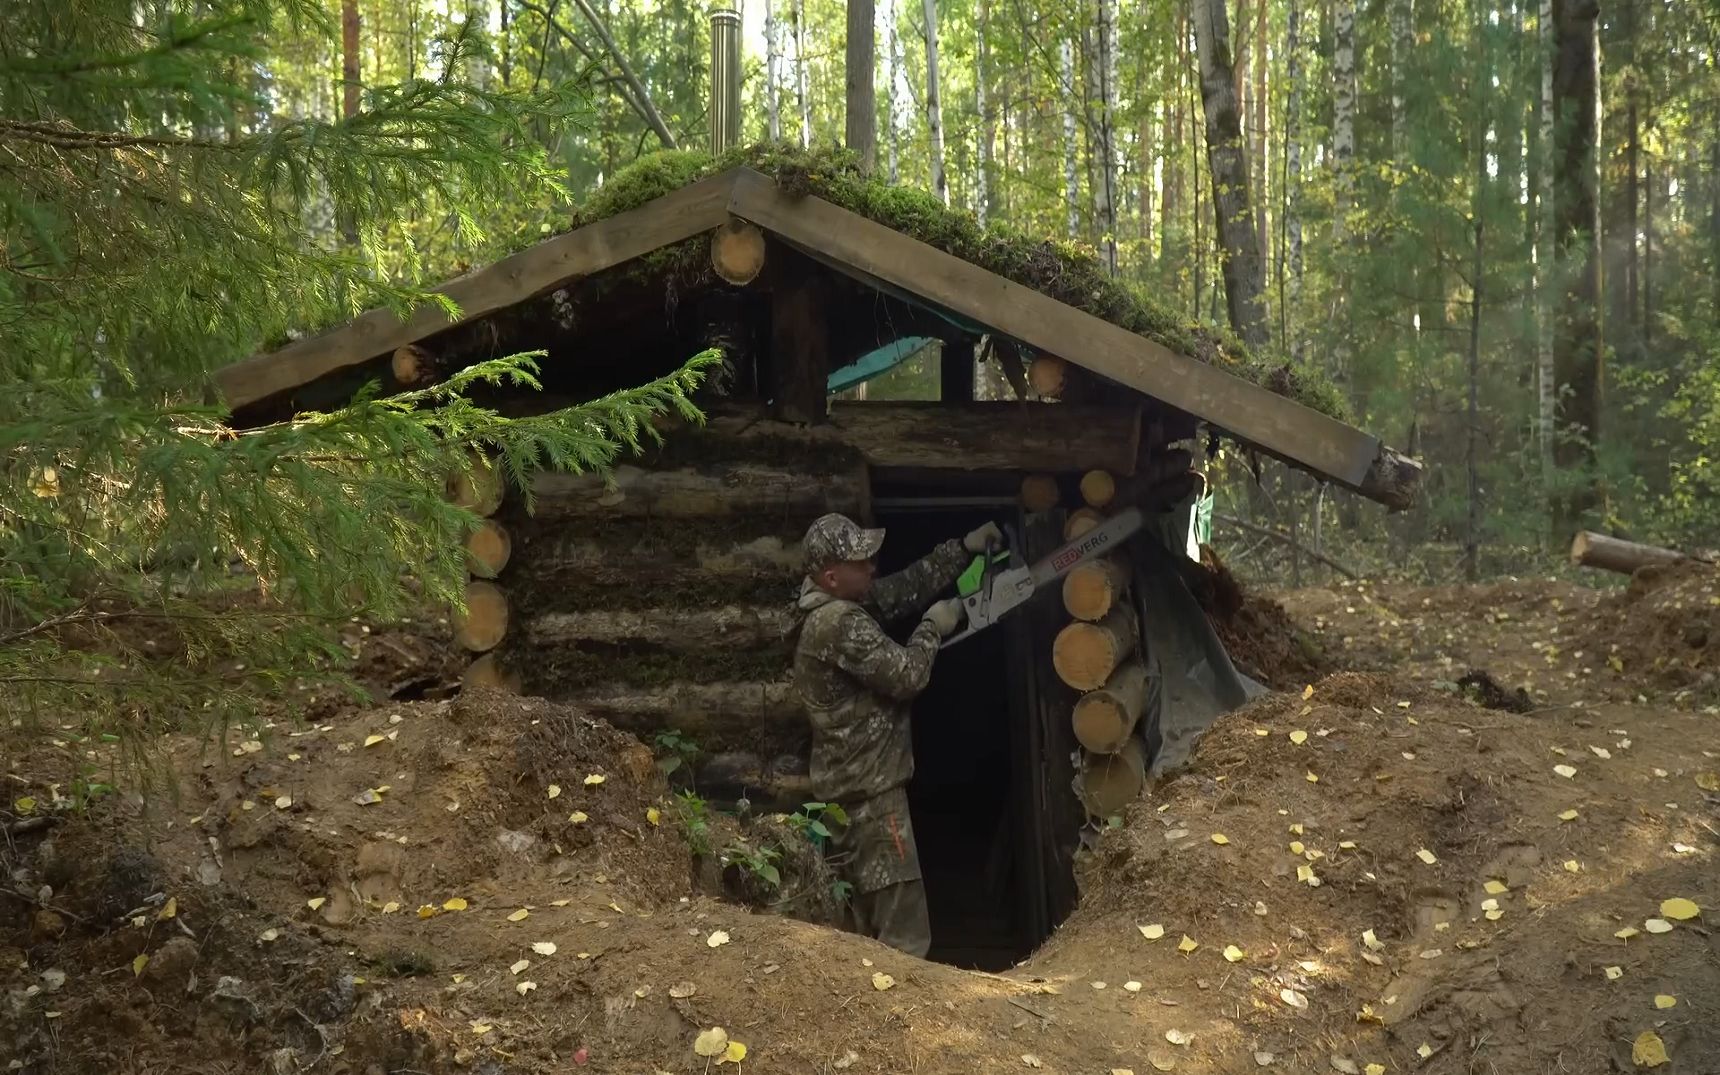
{"x": 945, "y": 616}
{"x": 981, "y": 538}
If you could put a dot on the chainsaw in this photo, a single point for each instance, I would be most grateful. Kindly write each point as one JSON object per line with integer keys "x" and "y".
{"x": 1001, "y": 591}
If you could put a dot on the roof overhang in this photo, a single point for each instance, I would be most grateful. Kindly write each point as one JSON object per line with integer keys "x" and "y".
{"x": 884, "y": 258}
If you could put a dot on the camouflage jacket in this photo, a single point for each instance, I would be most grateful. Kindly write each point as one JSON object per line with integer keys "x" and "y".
{"x": 857, "y": 683}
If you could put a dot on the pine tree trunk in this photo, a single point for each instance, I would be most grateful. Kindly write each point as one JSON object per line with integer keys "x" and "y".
{"x": 1472, "y": 432}
{"x": 1071, "y": 186}
{"x": 1244, "y": 274}
{"x": 349, "y": 69}
{"x": 987, "y": 122}
{"x": 1144, "y": 154}
{"x": 772, "y": 70}
{"x": 934, "y": 109}
{"x": 1293, "y": 176}
{"x": 862, "y": 96}
{"x": 800, "y": 88}
{"x": 1577, "y": 343}
{"x": 1105, "y": 193}
{"x": 1262, "y": 159}
{"x": 1544, "y": 256}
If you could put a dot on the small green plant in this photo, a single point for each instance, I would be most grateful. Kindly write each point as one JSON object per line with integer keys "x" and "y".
{"x": 809, "y": 819}
{"x": 760, "y": 862}
{"x": 695, "y": 822}
{"x": 675, "y": 751}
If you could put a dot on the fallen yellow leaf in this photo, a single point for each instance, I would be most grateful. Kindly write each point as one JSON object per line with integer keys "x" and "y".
{"x": 1374, "y": 1069}
{"x": 138, "y": 964}
{"x": 1296, "y": 847}
{"x": 1665, "y": 1000}
{"x": 711, "y": 1042}
{"x": 653, "y": 815}
{"x": 554, "y": 790}
{"x": 733, "y": 1053}
{"x": 520, "y": 966}
{"x": 1152, "y": 932}
{"x": 1708, "y": 781}
{"x": 1568, "y": 815}
{"x": 578, "y": 817}
{"x": 1496, "y": 888}
{"x": 1614, "y": 973}
{"x": 1565, "y": 771}
{"x": 1307, "y": 692}
{"x": 1312, "y": 778}
{"x": 593, "y": 780}
{"x": 1298, "y": 737}
{"x": 168, "y": 909}
{"x": 316, "y": 903}
{"x": 1371, "y": 940}
{"x": 525, "y": 987}
{"x": 458, "y": 903}
{"x": 1657, "y": 925}
{"x": 429, "y": 910}
{"x": 882, "y": 981}
{"x": 1187, "y": 944}
{"x": 391, "y": 906}
{"x": 1680, "y": 909}
{"x": 372, "y": 740}
{"x": 1426, "y": 856}
{"x": 519, "y": 915}
{"x": 1627, "y": 933}
{"x": 544, "y": 948}
{"x": 1648, "y": 1051}
{"x": 1573, "y": 866}
{"x": 1220, "y": 838}
{"x": 717, "y": 939}
{"x": 1234, "y": 954}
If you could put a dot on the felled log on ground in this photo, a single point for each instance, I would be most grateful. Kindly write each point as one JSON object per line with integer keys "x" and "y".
{"x": 737, "y": 252}
{"x": 1590, "y": 549}
{"x": 727, "y": 489}
{"x": 1039, "y": 492}
{"x": 1046, "y": 374}
{"x": 710, "y": 714}
{"x": 1085, "y": 654}
{"x": 1105, "y": 719}
{"x": 488, "y": 549}
{"x": 484, "y": 623}
{"x": 1107, "y": 783}
{"x": 489, "y": 671}
{"x": 736, "y": 626}
{"x": 1092, "y": 589}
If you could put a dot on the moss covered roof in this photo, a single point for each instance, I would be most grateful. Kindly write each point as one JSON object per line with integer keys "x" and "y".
{"x": 1068, "y": 272}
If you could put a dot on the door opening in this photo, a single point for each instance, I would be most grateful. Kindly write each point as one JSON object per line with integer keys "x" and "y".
{"x": 990, "y": 858}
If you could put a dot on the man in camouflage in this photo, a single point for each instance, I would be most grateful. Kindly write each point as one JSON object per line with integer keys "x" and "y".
{"x": 857, "y": 684}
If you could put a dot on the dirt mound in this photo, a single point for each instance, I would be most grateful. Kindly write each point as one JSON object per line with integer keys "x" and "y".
{"x": 1258, "y": 634}
{"x": 1663, "y": 630}
{"x": 414, "y": 852}
{"x": 1370, "y": 869}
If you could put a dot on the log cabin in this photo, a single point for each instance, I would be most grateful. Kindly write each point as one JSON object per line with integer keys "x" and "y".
{"x": 660, "y": 597}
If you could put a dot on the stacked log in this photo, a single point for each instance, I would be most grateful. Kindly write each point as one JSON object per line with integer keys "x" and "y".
{"x": 482, "y": 623}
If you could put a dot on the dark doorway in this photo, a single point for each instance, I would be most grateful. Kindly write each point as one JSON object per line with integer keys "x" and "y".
{"x": 988, "y": 857}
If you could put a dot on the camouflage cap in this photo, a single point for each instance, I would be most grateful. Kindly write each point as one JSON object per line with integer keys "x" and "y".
{"x": 835, "y": 538}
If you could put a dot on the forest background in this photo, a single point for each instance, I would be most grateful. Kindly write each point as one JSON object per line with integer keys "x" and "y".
{"x": 1494, "y": 225}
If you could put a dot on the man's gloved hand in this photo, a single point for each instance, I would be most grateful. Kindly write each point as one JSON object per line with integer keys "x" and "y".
{"x": 946, "y": 616}
{"x": 979, "y": 539}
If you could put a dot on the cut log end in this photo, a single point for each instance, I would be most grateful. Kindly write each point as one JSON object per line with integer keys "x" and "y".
{"x": 1039, "y": 493}
{"x": 489, "y": 671}
{"x": 1046, "y": 375}
{"x": 480, "y": 488}
{"x": 488, "y": 549}
{"x": 1091, "y": 590}
{"x": 485, "y": 621}
{"x": 1079, "y": 522}
{"x": 737, "y": 252}
{"x": 412, "y": 366}
{"x": 1086, "y": 654}
{"x": 1108, "y": 783}
{"x": 1105, "y": 719}
{"x": 1098, "y": 488}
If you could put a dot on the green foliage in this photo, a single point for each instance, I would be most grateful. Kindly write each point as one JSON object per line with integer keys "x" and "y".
{"x": 159, "y": 219}
{"x": 694, "y": 818}
{"x": 757, "y": 861}
{"x": 675, "y": 751}
{"x": 809, "y": 819}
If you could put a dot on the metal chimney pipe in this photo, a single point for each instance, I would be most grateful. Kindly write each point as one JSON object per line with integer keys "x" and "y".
{"x": 725, "y": 80}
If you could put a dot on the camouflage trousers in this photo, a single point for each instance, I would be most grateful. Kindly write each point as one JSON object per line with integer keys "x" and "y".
{"x": 882, "y": 863}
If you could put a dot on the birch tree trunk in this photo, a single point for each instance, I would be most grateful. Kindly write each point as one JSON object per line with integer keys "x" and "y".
{"x": 1071, "y": 186}
{"x": 1105, "y": 196}
{"x": 1343, "y": 117}
{"x": 1544, "y": 256}
{"x": 1292, "y": 255}
{"x": 1577, "y": 343}
{"x": 934, "y": 110}
{"x": 772, "y": 70}
{"x": 1402, "y": 43}
{"x": 987, "y": 122}
{"x": 800, "y": 89}
{"x": 1243, "y": 271}
{"x": 862, "y": 115}
{"x": 892, "y": 119}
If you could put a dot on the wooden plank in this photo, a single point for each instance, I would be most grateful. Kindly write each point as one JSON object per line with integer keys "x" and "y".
{"x": 1041, "y": 436}
{"x": 871, "y": 250}
{"x": 602, "y": 245}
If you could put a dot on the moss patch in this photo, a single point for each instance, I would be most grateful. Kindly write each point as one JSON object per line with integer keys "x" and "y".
{"x": 1065, "y": 271}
